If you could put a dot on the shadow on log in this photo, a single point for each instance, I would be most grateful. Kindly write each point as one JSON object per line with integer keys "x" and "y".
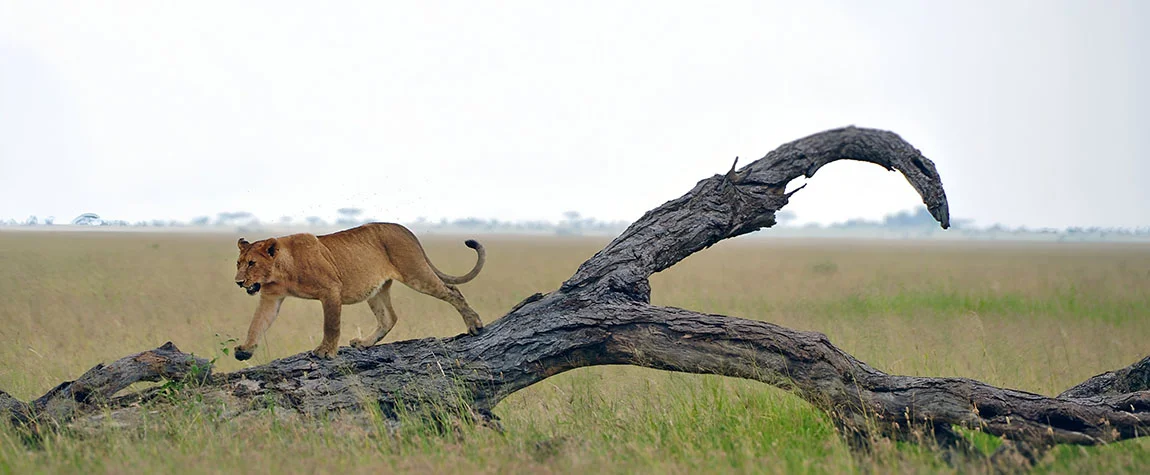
{"x": 602, "y": 315}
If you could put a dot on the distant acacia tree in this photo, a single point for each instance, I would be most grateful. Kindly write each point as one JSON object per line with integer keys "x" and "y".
{"x": 88, "y": 219}
{"x": 785, "y": 217}
{"x": 315, "y": 221}
{"x": 349, "y": 216}
{"x": 572, "y": 223}
{"x": 919, "y": 217}
{"x": 201, "y": 221}
{"x": 238, "y": 218}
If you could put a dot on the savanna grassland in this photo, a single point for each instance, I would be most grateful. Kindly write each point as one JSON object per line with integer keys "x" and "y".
{"x": 1036, "y": 317}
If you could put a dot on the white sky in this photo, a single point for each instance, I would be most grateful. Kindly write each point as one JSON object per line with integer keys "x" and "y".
{"x": 1034, "y": 112}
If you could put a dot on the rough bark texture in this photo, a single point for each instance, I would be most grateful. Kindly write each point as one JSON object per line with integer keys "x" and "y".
{"x": 602, "y": 315}
{"x": 95, "y": 388}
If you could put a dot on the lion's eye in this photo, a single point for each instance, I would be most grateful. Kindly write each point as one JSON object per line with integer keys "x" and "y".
{"x": 251, "y": 263}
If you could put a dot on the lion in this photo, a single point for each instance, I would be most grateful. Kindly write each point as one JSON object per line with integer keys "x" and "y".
{"x": 345, "y": 268}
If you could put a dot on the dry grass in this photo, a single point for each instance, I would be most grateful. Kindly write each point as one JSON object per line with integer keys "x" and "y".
{"x": 1038, "y": 317}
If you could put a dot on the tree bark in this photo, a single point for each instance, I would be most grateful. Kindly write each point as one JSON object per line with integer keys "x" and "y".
{"x": 602, "y": 315}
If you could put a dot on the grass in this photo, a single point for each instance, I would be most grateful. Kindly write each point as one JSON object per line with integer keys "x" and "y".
{"x": 1037, "y": 317}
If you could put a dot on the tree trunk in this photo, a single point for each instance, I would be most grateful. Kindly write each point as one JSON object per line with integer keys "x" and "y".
{"x": 602, "y": 315}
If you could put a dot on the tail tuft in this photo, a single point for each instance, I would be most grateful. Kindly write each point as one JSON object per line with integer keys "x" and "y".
{"x": 472, "y": 243}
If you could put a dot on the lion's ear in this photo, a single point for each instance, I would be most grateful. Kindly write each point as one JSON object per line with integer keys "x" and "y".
{"x": 243, "y": 244}
{"x": 272, "y": 248}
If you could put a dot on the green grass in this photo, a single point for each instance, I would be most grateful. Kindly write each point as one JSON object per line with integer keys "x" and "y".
{"x": 1039, "y": 318}
{"x": 1070, "y": 302}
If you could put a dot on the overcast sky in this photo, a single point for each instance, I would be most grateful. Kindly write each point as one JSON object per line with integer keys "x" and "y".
{"x": 1034, "y": 112}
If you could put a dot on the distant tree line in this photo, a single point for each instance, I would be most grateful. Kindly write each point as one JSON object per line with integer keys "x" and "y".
{"x": 917, "y": 220}
{"x": 572, "y": 223}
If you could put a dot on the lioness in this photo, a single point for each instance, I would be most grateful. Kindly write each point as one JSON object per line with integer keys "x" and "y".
{"x": 344, "y": 268}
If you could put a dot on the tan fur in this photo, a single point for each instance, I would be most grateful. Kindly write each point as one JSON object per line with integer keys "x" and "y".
{"x": 344, "y": 268}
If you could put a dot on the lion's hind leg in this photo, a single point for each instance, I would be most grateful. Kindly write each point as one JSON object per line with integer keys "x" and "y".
{"x": 449, "y": 293}
{"x": 380, "y": 304}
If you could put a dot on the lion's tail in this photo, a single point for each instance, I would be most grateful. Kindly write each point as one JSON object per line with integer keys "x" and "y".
{"x": 450, "y": 279}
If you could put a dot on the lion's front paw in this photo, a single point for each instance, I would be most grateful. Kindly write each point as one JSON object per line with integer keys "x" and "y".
{"x": 360, "y": 343}
{"x": 325, "y": 353}
{"x": 242, "y": 354}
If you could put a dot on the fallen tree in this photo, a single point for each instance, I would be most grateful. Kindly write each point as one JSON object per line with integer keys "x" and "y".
{"x": 602, "y": 315}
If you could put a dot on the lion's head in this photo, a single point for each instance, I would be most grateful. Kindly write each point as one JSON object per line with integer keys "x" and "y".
{"x": 254, "y": 266}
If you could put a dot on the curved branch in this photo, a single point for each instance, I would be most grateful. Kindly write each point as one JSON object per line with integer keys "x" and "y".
{"x": 743, "y": 201}
{"x": 855, "y": 393}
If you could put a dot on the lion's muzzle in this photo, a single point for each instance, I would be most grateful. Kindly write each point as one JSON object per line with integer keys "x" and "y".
{"x": 252, "y": 289}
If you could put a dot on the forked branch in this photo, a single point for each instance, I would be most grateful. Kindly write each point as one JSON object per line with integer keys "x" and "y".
{"x": 743, "y": 201}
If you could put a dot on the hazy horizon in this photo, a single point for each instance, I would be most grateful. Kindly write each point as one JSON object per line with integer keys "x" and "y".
{"x": 1034, "y": 112}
